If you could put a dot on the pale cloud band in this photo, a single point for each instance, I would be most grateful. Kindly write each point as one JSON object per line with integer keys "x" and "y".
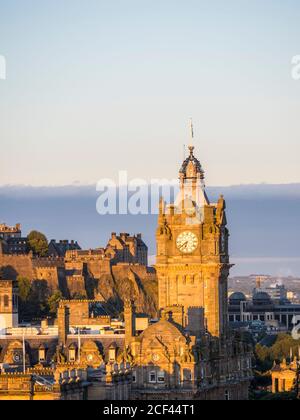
{"x": 296, "y": 67}
{"x": 2, "y": 67}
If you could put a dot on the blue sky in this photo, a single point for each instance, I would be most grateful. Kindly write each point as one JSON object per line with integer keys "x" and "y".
{"x": 99, "y": 86}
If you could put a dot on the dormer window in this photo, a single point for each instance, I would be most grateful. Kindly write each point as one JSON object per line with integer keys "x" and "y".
{"x": 152, "y": 377}
{"x": 42, "y": 354}
{"x": 72, "y": 354}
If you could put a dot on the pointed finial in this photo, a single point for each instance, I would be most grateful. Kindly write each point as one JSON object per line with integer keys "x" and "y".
{"x": 192, "y": 131}
{"x": 191, "y": 146}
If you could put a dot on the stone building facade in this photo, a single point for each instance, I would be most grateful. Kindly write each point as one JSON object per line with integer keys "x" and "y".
{"x": 59, "y": 249}
{"x": 263, "y": 309}
{"x": 41, "y": 385}
{"x": 8, "y": 232}
{"x": 11, "y": 241}
{"x": 127, "y": 249}
{"x": 8, "y": 304}
{"x": 64, "y": 366}
{"x": 284, "y": 376}
{"x": 67, "y": 382}
{"x": 86, "y": 312}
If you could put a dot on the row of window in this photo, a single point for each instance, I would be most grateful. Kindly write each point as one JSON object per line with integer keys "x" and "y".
{"x": 249, "y": 317}
{"x": 154, "y": 377}
{"x": 188, "y": 279}
{"x": 159, "y": 377}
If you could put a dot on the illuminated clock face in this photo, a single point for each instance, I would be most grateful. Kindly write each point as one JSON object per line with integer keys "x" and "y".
{"x": 90, "y": 358}
{"x": 187, "y": 242}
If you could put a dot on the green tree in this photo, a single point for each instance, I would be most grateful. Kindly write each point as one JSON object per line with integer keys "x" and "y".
{"x": 53, "y": 302}
{"x": 38, "y": 243}
{"x": 24, "y": 285}
{"x": 280, "y": 347}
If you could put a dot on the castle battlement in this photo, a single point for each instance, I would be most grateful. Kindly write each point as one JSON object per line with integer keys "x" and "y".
{"x": 10, "y": 229}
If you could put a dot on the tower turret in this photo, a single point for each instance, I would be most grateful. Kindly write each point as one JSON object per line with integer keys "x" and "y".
{"x": 191, "y": 178}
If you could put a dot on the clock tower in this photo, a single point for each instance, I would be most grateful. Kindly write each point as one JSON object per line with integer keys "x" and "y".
{"x": 192, "y": 254}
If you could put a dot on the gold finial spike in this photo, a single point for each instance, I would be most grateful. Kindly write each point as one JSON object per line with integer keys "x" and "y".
{"x": 191, "y": 146}
{"x": 192, "y": 131}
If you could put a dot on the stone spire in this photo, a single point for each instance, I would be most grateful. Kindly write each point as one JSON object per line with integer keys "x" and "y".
{"x": 191, "y": 177}
{"x": 191, "y": 167}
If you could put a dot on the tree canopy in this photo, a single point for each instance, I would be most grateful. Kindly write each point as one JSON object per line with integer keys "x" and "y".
{"x": 281, "y": 348}
{"x": 38, "y": 243}
{"x": 53, "y": 302}
{"x": 24, "y": 285}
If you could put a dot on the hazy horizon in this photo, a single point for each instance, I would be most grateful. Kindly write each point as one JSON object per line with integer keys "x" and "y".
{"x": 90, "y": 185}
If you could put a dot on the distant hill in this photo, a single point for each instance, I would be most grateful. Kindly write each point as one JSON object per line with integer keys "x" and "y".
{"x": 263, "y": 221}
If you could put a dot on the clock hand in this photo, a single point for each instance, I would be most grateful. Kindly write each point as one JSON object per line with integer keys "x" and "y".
{"x": 184, "y": 245}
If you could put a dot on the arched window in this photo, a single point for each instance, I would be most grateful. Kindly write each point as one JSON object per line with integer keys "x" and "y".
{"x": 6, "y": 301}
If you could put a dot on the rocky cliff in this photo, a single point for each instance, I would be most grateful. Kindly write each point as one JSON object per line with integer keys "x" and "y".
{"x": 92, "y": 279}
{"x": 128, "y": 282}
